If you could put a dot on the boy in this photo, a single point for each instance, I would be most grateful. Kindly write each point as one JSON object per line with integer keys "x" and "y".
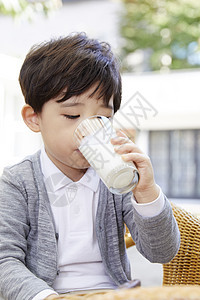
{"x": 61, "y": 229}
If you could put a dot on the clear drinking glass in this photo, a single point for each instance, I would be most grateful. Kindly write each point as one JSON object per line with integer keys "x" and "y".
{"x": 93, "y": 140}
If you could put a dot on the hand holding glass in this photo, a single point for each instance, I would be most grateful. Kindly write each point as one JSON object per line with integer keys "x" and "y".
{"x": 93, "y": 139}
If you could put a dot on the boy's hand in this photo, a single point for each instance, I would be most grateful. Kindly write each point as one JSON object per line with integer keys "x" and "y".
{"x": 146, "y": 190}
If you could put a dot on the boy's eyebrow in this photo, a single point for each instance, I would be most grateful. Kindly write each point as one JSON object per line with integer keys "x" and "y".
{"x": 69, "y": 104}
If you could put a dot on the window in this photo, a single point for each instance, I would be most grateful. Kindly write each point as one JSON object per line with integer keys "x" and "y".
{"x": 175, "y": 156}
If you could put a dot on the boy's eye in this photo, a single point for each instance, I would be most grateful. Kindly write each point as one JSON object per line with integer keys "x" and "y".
{"x": 71, "y": 116}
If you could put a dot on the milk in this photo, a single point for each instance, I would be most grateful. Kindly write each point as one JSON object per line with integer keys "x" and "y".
{"x": 119, "y": 176}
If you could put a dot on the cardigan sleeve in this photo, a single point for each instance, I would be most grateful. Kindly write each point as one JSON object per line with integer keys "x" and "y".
{"x": 157, "y": 238}
{"x": 16, "y": 280}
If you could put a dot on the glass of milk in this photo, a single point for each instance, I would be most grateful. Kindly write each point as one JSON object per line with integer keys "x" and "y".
{"x": 93, "y": 140}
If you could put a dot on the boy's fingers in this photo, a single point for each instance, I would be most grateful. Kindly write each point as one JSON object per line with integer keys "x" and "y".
{"x": 127, "y": 148}
{"x": 120, "y": 140}
{"x": 138, "y": 158}
{"x": 121, "y": 133}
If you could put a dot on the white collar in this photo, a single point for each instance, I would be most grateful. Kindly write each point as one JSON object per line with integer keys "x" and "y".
{"x": 56, "y": 179}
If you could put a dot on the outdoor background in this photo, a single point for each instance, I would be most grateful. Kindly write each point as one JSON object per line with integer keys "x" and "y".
{"x": 158, "y": 45}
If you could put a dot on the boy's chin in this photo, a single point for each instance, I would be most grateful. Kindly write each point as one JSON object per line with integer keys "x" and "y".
{"x": 82, "y": 165}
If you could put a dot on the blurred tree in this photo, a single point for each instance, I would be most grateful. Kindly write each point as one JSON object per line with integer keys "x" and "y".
{"x": 160, "y": 34}
{"x": 27, "y": 7}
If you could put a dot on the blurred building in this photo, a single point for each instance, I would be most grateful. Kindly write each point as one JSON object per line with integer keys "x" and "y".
{"x": 164, "y": 109}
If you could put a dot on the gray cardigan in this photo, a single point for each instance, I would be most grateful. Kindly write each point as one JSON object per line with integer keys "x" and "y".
{"x": 28, "y": 246}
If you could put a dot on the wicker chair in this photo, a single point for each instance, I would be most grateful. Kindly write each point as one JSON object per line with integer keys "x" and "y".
{"x": 185, "y": 267}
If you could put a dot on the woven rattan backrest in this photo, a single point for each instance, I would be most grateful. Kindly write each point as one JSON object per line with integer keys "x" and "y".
{"x": 185, "y": 267}
{"x": 128, "y": 239}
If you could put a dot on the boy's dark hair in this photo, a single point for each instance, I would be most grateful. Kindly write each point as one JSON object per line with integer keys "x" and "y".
{"x": 74, "y": 62}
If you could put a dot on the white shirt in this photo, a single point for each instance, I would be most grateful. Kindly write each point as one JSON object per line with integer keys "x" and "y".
{"x": 74, "y": 206}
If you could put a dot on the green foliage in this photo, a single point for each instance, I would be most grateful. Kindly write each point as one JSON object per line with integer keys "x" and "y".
{"x": 17, "y": 8}
{"x": 168, "y": 29}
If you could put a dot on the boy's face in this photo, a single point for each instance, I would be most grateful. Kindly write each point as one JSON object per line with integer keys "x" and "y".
{"x": 57, "y": 123}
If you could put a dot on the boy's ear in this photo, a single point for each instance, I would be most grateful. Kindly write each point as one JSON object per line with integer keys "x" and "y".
{"x": 30, "y": 118}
